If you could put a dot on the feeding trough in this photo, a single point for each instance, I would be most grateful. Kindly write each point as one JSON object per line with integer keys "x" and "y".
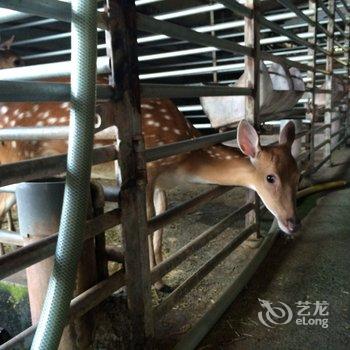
{"x": 227, "y": 110}
{"x": 279, "y": 90}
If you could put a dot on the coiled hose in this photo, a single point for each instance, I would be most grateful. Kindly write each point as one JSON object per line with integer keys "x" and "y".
{"x": 72, "y": 225}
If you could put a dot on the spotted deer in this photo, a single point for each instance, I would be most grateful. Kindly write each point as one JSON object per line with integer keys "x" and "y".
{"x": 269, "y": 170}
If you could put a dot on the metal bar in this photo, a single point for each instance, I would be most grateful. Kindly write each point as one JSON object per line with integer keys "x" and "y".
{"x": 121, "y": 42}
{"x": 339, "y": 143}
{"x": 10, "y": 237}
{"x": 325, "y": 142}
{"x": 200, "y": 241}
{"x": 338, "y": 132}
{"x": 44, "y": 248}
{"x": 339, "y": 29}
{"x": 47, "y": 133}
{"x": 320, "y": 164}
{"x": 303, "y": 156}
{"x": 170, "y": 215}
{"x": 37, "y": 168}
{"x": 10, "y": 15}
{"x": 152, "y": 154}
{"x": 279, "y": 30}
{"x": 310, "y": 139}
{"x": 252, "y": 103}
{"x": 23, "y": 91}
{"x": 329, "y": 80}
{"x": 325, "y": 9}
{"x": 58, "y": 10}
{"x": 340, "y": 13}
{"x": 237, "y": 8}
{"x": 176, "y": 91}
{"x": 325, "y": 126}
{"x": 48, "y": 70}
{"x": 346, "y": 5}
{"x": 195, "y": 278}
{"x": 152, "y": 25}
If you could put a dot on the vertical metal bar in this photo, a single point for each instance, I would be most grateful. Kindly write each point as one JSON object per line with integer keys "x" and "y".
{"x": 346, "y": 59}
{"x": 213, "y": 54}
{"x": 252, "y": 103}
{"x": 328, "y": 116}
{"x": 313, "y": 5}
{"x": 72, "y": 226}
{"x": 121, "y": 43}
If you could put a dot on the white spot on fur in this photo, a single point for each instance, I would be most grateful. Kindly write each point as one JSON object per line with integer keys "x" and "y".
{"x": 35, "y": 108}
{"x": 12, "y": 123}
{"x": 52, "y": 120}
{"x": 146, "y": 106}
{"x": 177, "y": 131}
{"x": 40, "y": 123}
{"x": 63, "y": 120}
{"x": 6, "y": 119}
{"x": 150, "y": 122}
{"x": 13, "y": 144}
{"x": 165, "y": 128}
{"x": 167, "y": 117}
{"x": 4, "y": 109}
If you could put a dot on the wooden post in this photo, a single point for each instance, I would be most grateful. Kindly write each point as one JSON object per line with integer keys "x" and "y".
{"x": 329, "y": 79}
{"x": 252, "y": 68}
{"x": 121, "y": 43}
{"x": 310, "y": 139}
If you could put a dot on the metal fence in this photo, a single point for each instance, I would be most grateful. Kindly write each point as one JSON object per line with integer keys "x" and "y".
{"x": 324, "y": 46}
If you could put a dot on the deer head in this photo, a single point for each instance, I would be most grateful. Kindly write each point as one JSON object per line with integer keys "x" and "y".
{"x": 8, "y": 58}
{"x": 275, "y": 174}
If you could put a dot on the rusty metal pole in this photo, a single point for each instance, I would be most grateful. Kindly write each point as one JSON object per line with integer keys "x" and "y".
{"x": 252, "y": 103}
{"x": 122, "y": 50}
{"x": 329, "y": 105}
{"x": 347, "y": 70}
{"x": 310, "y": 139}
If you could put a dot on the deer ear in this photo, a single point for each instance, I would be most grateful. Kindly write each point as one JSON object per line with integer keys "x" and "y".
{"x": 6, "y": 45}
{"x": 248, "y": 139}
{"x": 287, "y": 134}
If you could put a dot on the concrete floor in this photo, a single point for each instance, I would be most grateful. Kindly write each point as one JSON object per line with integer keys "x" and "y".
{"x": 313, "y": 267}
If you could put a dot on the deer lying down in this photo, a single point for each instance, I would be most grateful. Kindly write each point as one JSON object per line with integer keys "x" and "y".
{"x": 270, "y": 170}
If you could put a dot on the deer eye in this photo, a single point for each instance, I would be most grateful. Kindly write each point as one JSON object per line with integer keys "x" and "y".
{"x": 270, "y": 179}
{"x": 17, "y": 62}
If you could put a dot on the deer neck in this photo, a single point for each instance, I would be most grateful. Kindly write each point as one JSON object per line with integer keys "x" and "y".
{"x": 220, "y": 165}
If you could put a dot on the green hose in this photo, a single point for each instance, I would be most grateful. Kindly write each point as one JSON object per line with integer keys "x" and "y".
{"x": 70, "y": 240}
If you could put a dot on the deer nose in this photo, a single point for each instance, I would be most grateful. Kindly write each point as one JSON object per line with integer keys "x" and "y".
{"x": 293, "y": 224}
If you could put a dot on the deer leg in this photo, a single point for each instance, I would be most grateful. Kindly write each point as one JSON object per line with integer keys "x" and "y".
{"x": 160, "y": 205}
{"x": 150, "y": 214}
